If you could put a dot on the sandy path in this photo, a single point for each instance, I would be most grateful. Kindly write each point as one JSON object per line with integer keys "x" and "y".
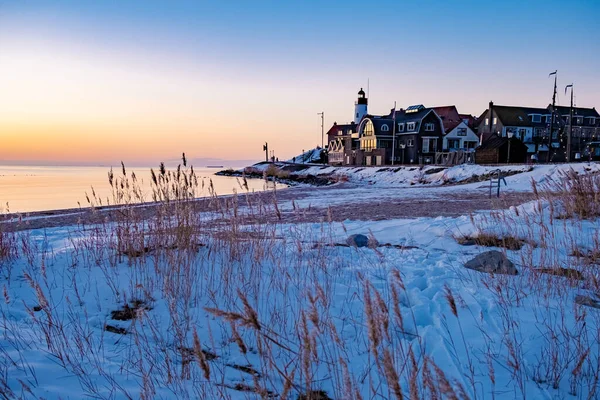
{"x": 307, "y": 204}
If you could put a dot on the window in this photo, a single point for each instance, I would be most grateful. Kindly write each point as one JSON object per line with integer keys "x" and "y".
{"x": 410, "y": 143}
{"x": 453, "y": 144}
{"x": 538, "y": 132}
{"x": 495, "y": 121}
{"x": 522, "y": 133}
{"x": 592, "y": 121}
{"x": 548, "y": 119}
{"x": 536, "y": 118}
{"x": 385, "y": 128}
{"x": 356, "y": 115}
{"x": 461, "y": 132}
{"x": 368, "y": 144}
{"x": 368, "y": 129}
{"x": 401, "y": 127}
{"x": 429, "y": 127}
{"x": 429, "y": 145}
{"x": 487, "y": 121}
{"x": 410, "y": 126}
{"x": 469, "y": 145}
{"x": 340, "y": 133}
{"x": 579, "y": 120}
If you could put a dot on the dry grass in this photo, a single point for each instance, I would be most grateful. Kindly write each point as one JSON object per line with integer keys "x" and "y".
{"x": 574, "y": 194}
{"x": 490, "y": 240}
{"x": 269, "y": 301}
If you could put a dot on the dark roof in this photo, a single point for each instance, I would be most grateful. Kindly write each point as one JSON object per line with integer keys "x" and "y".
{"x": 515, "y": 115}
{"x": 403, "y": 116}
{"x": 518, "y": 116}
{"x": 578, "y": 111}
{"x": 449, "y": 116}
{"x": 494, "y": 141}
{"x": 343, "y": 127}
{"x": 378, "y": 122}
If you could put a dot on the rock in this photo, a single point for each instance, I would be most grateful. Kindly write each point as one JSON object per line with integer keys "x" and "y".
{"x": 587, "y": 301}
{"x": 360, "y": 240}
{"x": 493, "y": 262}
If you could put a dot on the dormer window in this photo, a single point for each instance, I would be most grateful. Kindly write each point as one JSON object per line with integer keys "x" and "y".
{"x": 429, "y": 127}
{"x": 401, "y": 127}
{"x": 536, "y": 118}
{"x": 385, "y": 128}
{"x": 410, "y": 126}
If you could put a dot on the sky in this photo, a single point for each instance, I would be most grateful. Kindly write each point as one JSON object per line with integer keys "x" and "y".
{"x": 96, "y": 82}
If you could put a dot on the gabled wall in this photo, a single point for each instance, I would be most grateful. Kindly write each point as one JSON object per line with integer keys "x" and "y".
{"x": 453, "y": 134}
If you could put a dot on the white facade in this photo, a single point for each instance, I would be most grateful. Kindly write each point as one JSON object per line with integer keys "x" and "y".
{"x": 360, "y": 110}
{"x": 461, "y": 138}
{"x": 523, "y": 133}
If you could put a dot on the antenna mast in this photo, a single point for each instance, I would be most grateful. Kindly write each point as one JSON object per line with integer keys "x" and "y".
{"x": 555, "y": 73}
{"x": 322, "y": 114}
{"x": 570, "y": 124}
{"x": 394, "y": 134}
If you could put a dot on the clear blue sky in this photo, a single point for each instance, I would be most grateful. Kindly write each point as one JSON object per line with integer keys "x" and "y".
{"x": 241, "y": 73}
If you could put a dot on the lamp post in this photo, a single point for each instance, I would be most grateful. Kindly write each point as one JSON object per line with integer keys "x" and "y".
{"x": 510, "y": 134}
{"x": 402, "y": 147}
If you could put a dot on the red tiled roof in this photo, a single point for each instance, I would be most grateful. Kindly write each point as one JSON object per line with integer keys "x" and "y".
{"x": 470, "y": 120}
{"x": 450, "y": 117}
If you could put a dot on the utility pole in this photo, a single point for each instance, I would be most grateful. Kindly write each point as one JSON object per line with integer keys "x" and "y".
{"x": 570, "y": 124}
{"x": 555, "y": 73}
{"x": 322, "y": 114}
{"x": 394, "y": 134}
{"x": 266, "y": 150}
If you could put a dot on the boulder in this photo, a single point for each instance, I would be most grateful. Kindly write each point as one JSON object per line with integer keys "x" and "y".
{"x": 360, "y": 240}
{"x": 493, "y": 262}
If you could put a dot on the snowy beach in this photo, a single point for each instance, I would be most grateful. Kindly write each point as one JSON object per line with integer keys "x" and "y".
{"x": 260, "y": 295}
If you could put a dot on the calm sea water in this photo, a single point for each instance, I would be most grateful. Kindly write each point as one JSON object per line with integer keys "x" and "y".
{"x": 28, "y": 189}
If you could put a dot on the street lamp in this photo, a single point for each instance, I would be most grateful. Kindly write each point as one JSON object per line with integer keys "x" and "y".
{"x": 402, "y": 146}
{"x": 510, "y": 134}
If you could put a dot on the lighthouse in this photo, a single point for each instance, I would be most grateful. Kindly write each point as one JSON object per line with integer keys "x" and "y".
{"x": 360, "y": 107}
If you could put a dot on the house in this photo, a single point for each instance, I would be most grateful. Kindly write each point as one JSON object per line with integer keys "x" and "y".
{"x": 532, "y": 126}
{"x": 458, "y": 135}
{"x": 419, "y": 134}
{"x": 339, "y": 137}
{"x": 584, "y": 128}
{"x": 343, "y": 138}
{"x": 407, "y": 136}
{"x": 497, "y": 150}
{"x": 528, "y": 124}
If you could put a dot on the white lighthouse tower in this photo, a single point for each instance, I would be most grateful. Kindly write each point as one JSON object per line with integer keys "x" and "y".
{"x": 360, "y": 107}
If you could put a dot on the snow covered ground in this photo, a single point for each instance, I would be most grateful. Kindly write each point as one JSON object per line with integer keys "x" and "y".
{"x": 116, "y": 310}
